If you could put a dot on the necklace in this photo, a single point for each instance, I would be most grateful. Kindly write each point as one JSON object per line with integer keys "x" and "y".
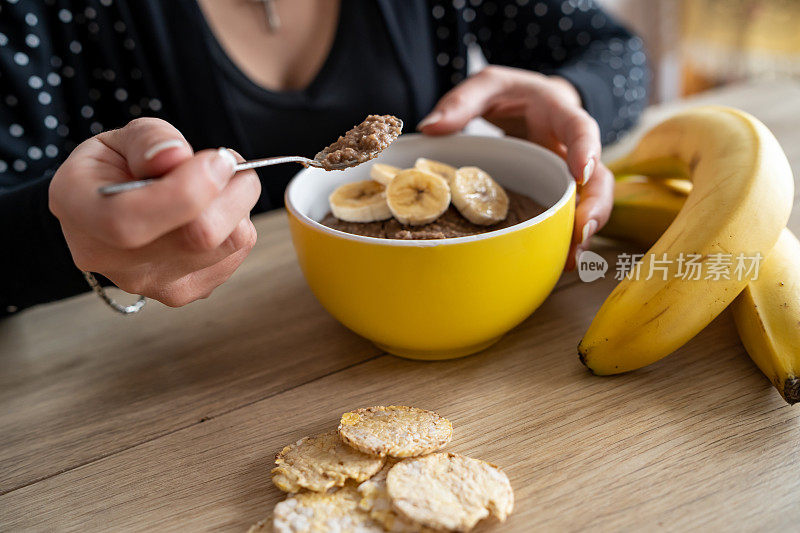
{"x": 273, "y": 19}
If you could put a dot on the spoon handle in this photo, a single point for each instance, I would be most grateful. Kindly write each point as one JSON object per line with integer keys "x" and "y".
{"x": 267, "y": 161}
{"x": 108, "y": 190}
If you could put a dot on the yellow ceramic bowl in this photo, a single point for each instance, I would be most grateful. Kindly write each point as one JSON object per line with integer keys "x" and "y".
{"x": 443, "y": 298}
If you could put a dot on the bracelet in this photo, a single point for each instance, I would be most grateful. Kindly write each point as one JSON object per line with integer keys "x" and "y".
{"x": 119, "y": 308}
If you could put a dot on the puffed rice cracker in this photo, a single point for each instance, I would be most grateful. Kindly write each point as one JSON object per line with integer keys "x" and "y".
{"x": 375, "y": 500}
{"x": 449, "y": 491}
{"x": 321, "y": 462}
{"x": 323, "y": 512}
{"x": 396, "y": 431}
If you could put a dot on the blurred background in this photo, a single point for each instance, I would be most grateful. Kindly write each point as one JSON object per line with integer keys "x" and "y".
{"x": 695, "y": 45}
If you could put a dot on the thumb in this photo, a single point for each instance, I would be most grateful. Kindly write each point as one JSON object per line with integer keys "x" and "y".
{"x": 467, "y": 100}
{"x": 150, "y": 146}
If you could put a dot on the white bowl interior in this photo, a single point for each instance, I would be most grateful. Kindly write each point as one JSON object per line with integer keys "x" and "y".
{"x": 517, "y": 165}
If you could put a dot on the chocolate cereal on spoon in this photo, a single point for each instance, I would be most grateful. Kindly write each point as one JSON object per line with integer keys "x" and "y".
{"x": 360, "y": 144}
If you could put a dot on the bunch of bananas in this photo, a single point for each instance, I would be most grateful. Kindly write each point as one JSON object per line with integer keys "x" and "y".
{"x": 708, "y": 181}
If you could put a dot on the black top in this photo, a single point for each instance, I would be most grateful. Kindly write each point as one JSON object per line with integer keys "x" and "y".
{"x": 70, "y": 69}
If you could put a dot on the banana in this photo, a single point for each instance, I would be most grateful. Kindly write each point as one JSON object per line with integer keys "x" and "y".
{"x": 767, "y": 317}
{"x": 740, "y": 201}
{"x": 360, "y": 201}
{"x": 443, "y": 170}
{"x": 478, "y": 198}
{"x": 643, "y": 210}
{"x": 766, "y": 312}
{"x": 382, "y": 173}
{"x": 416, "y": 197}
{"x": 677, "y": 185}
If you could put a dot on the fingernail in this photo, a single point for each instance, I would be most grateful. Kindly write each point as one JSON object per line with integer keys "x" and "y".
{"x": 434, "y": 117}
{"x": 160, "y": 147}
{"x": 222, "y": 167}
{"x": 588, "y": 230}
{"x": 588, "y": 170}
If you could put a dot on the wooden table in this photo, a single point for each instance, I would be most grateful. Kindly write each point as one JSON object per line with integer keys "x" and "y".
{"x": 170, "y": 420}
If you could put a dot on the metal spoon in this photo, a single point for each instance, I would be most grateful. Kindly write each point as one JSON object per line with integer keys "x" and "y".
{"x": 108, "y": 190}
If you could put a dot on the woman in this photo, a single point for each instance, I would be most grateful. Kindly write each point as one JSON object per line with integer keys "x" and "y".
{"x": 219, "y": 73}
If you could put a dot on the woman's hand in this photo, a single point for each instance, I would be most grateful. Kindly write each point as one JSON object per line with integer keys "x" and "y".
{"x": 174, "y": 241}
{"x": 545, "y": 110}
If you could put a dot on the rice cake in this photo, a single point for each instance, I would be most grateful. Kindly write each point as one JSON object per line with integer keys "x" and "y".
{"x": 376, "y": 501}
{"x": 449, "y": 491}
{"x": 323, "y": 512}
{"x": 321, "y": 462}
{"x": 396, "y": 431}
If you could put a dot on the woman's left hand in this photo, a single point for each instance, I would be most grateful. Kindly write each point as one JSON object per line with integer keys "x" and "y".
{"x": 547, "y": 111}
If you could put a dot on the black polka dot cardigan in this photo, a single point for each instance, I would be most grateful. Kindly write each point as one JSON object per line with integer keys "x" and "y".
{"x": 70, "y": 69}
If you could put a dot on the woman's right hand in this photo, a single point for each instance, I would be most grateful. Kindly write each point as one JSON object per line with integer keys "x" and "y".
{"x": 174, "y": 241}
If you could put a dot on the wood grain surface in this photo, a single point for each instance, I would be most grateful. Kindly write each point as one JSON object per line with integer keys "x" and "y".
{"x": 78, "y": 382}
{"x": 170, "y": 420}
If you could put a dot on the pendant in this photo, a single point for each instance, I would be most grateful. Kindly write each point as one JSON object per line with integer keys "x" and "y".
{"x": 273, "y": 19}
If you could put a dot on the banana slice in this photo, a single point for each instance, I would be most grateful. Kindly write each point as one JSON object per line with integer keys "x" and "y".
{"x": 383, "y": 173}
{"x": 361, "y": 201}
{"x": 478, "y": 198}
{"x": 443, "y": 170}
{"x": 416, "y": 197}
